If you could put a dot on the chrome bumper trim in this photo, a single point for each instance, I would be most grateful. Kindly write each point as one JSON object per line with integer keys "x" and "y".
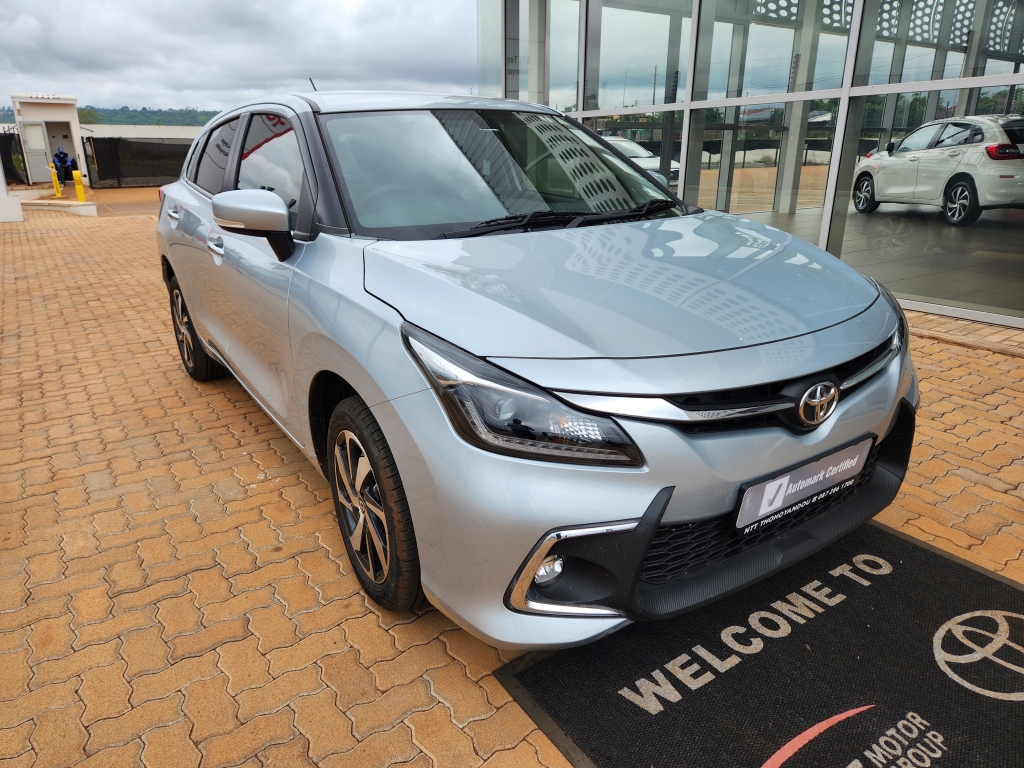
{"x": 517, "y": 597}
{"x": 662, "y": 410}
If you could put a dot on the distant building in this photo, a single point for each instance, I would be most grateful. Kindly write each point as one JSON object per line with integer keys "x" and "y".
{"x": 106, "y": 154}
{"x": 46, "y": 121}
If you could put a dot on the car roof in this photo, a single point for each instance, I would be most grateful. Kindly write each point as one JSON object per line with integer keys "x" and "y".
{"x": 363, "y": 101}
{"x": 995, "y": 119}
{"x": 370, "y": 101}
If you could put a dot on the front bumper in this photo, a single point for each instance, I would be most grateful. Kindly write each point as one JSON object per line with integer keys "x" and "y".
{"x": 604, "y": 572}
{"x": 478, "y": 516}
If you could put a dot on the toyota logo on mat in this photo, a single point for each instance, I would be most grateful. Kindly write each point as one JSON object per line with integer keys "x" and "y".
{"x": 988, "y": 642}
{"x": 818, "y": 403}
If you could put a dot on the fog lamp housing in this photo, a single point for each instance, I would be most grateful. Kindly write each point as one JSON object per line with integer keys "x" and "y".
{"x": 549, "y": 570}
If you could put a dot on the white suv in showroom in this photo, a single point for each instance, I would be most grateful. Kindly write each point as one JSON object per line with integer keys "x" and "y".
{"x": 964, "y": 164}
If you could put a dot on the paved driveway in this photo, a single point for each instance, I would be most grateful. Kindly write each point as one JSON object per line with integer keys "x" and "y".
{"x": 173, "y": 586}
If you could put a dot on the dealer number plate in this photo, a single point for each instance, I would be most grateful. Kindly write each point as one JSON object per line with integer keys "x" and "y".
{"x": 772, "y": 500}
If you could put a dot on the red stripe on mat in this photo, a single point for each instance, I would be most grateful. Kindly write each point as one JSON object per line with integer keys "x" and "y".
{"x": 807, "y": 736}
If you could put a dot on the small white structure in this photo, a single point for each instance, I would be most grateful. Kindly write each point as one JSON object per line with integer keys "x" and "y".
{"x": 47, "y": 121}
{"x": 10, "y": 206}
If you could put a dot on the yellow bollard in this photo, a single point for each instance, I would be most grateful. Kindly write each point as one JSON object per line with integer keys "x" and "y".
{"x": 79, "y": 189}
{"x": 56, "y": 183}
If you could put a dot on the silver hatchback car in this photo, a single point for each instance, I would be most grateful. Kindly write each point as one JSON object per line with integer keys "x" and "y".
{"x": 546, "y": 393}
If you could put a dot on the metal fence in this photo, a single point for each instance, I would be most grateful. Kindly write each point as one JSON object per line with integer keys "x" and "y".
{"x": 115, "y": 162}
{"x": 12, "y": 158}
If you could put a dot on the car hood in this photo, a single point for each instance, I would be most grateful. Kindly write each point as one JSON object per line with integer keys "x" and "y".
{"x": 674, "y": 286}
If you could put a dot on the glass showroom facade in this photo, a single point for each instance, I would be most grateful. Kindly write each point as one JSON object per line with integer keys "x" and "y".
{"x": 772, "y": 110}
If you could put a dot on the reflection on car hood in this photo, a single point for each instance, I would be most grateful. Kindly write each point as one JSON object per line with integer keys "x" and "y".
{"x": 672, "y": 286}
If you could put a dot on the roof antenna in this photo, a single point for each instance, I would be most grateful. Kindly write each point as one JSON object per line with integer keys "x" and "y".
{"x": 312, "y": 83}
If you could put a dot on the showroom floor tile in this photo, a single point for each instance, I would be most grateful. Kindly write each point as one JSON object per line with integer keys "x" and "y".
{"x": 173, "y": 586}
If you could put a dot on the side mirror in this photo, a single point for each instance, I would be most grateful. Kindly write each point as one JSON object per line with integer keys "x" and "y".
{"x": 258, "y": 213}
{"x": 658, "y": 177}
{"x": 890, "y": 147}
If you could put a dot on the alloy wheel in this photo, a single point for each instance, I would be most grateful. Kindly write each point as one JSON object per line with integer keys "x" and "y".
{"x": 363, "y": 515}
{"x": 862, "y": 195}
{"x": 181, "y": 329}
{"x": 958, "y": 203}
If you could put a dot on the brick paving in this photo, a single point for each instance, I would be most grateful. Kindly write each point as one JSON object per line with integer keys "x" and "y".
{"x": 952, "y": 330}
{"x": 173, "y": 586}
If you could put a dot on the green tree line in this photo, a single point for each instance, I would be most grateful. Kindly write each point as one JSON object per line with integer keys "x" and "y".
{"x": 124, "y": 116}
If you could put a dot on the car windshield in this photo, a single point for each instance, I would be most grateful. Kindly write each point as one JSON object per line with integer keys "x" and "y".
{"x": 630, "y": 148}
{"x": 417, "y": 174}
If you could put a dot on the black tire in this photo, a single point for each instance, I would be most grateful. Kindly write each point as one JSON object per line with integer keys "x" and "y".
{"x": 960, "y": 206}
{"x": 377, "y": 528}
{"x": 198, "y": 364}
{"x": 864, "y": 195}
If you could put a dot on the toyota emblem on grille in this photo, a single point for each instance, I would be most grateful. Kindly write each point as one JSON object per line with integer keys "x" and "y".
{"x": 818, "y": 403}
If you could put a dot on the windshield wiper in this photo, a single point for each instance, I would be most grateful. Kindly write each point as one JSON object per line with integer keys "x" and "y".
{"x": 568, "y": 219}
{"x": 637, "y": 211}
{"x": 524, "y": 221}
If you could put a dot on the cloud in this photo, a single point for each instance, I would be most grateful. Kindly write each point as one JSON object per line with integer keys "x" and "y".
{"x": 210, "y": 54}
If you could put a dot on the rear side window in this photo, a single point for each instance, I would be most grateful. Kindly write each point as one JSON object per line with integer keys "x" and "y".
{"x": 215, "y": 158}
{"x": 271, "y": 160}
{"x": 954, "y": 135}
{"x": 1014, "y": 131}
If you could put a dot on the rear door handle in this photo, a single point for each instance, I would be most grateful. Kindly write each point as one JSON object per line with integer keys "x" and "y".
{"x": 955, "y": 154}
{"x": 173, "y": 214}
{"x": 215, "y": 245}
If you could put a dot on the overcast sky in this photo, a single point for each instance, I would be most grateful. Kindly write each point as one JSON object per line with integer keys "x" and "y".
{"x": 210, "y": 54}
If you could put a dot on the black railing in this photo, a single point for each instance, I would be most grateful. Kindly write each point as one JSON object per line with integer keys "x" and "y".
{"x": 117, "y": 162}
{"x": 12, "y": 158}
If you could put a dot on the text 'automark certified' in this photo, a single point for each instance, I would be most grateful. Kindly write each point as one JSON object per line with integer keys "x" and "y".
{"x": 773, "y": 499}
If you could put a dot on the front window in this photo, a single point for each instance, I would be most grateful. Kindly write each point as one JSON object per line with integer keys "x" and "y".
{"x": 271, "y": 160}
{"x": 416, "y": 174}
{"x": 919, "y": 139}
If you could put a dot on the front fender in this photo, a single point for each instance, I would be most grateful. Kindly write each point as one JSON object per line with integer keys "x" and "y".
{"x": 336, "y": 326}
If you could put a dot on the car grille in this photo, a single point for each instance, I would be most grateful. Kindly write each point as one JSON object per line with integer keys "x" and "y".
{"x": 765, "y": 394}
{"x": 679, "y": 551}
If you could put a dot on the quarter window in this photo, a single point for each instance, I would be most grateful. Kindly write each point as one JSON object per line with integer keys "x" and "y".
{"x": 954, "y": 135}
{"x": 215, "y": 158}
{"x": 271, "y": 160}
{"x": 193, "y": 161}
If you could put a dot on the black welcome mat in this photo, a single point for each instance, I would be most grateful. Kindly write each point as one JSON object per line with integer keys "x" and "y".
{"x": 875, "y": 652}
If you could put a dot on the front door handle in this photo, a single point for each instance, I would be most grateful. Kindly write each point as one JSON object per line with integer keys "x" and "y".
{"x": 173, "y": 214}
{"x": 215, "y": 245}
{"x": 913, "y": 159}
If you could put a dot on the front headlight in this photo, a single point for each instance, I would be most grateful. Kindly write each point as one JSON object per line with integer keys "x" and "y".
{"x": 499, "y": 412}
{"x": 901, "y": 337}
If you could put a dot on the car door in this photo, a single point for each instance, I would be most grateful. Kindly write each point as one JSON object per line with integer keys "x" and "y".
{"x": 938, "y": 163}
{"x": 897, "y": 177}
{"x": 252, "y": 277}
{"x": 196, "y": 248}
